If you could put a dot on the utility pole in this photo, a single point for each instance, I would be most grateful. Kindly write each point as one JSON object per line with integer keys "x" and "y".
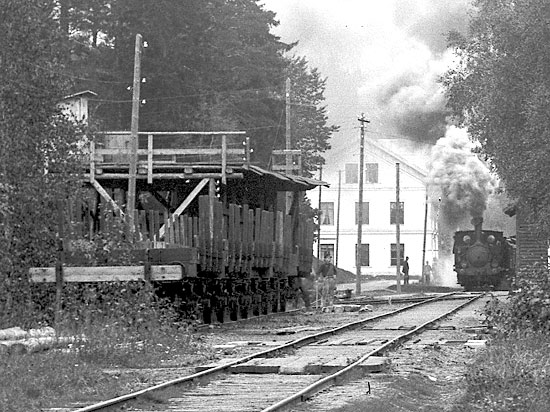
{"x": 338, "y": 219}
{"x": 358, "y": 251}
{"x": 320, "y": 216}
{"x": 288, "y": 156}
{"x": 424, "y": 241}
{"x": 131, "y": 200}
{"x": 397, "y": 230}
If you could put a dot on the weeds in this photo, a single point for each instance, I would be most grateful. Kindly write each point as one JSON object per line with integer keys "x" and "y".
{"x": 115, "y": 325}
{"x": 513, "y": 374}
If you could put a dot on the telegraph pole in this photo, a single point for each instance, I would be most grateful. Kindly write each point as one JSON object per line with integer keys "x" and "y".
{"x": 131, "y": 200}
{"x": 397, "y": 230}
{"x": 423, "y": 279}
{"x": 320, "y": 216}
{"x": 358, "y": 251}
{"x": 288, "y": 156}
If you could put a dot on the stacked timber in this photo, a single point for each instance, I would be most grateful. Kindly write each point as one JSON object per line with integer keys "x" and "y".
{"x": 14, "y": 341}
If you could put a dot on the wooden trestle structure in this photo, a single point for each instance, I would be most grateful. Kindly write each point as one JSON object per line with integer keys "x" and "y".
{"x": 208, "y": 226}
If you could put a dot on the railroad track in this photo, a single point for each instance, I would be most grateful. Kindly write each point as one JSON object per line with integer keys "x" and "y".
{"x": 276, "y": 378}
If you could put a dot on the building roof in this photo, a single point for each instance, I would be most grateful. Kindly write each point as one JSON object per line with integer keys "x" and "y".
{"x": 83, "y": 93}
{"x": 288, "y": 181}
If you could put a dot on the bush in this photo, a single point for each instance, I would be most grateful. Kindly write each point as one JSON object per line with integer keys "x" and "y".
{"x": 528, "y": 306}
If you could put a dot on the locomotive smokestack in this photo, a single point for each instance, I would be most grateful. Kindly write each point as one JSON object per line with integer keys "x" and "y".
{"x": 477, "y": 222}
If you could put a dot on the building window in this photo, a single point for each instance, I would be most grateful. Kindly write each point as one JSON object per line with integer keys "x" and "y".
{"x": 365, "y": 255}
{"x": 393, "y": 213}
{"x": 352, "y": 173}
{"x": 371, "y": 173}
{"x": 327, "y": 213}
{"x": 394, "y": 253}
{"x": 365, "y": 217}
{"x": 327, "y": 249}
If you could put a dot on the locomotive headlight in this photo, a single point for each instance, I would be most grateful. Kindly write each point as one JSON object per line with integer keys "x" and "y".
{"x": 491, "y": 239}
{"x": 467, "y": 239}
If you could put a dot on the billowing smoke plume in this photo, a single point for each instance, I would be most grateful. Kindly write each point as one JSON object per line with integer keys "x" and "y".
{"x": 412, "y": 97}
{"x": 414, "y": 101}
{"x": 458, "y": 177}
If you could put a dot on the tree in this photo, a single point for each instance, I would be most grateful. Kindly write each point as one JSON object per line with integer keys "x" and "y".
{"x": 500, "y": 90}
{"x": 208, "y": 66}
{"x": 36, "y": 140}
{"x": 308, "y": 117}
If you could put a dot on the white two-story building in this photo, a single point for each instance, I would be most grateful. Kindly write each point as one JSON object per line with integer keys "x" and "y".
{"x": 339, "y": 225}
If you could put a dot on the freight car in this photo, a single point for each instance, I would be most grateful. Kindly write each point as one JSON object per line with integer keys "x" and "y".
{"x": 220, "y": 236}
{"x": 484, "y": 259}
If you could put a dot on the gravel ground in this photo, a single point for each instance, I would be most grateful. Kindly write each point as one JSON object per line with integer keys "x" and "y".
{"x": 423, "y": 376}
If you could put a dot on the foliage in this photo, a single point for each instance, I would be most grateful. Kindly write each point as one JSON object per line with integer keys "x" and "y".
{"x": 500, "y": 90}
{"x": 38, "y": 144}
{"x": 511, "y": 375}
{"x": 308, "y": 117}
{"x": 528, "y": 307}
{"x": 208, "y": 66}
{"x": 116, "y": 325}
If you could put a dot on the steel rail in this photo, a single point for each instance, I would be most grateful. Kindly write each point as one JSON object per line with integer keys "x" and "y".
{"x": 330, "y": 380}
{"x": 217, "y": 369}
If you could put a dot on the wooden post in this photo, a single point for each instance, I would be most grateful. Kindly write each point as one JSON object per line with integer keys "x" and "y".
{"x": 288, "y": 155}
{"x": 358, "y": 247}
{"x": 224, "y": 159}
{"x": 131, "y": 201}
{"x": 59, "y": 261}
{"x": 397, "y": 230}
{"x": 320, "y": 216}
{"x": 149, "y": 158}
{"x": 423, "y": 279}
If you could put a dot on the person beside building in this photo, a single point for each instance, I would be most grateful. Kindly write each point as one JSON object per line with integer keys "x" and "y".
{"x": 405, "y": 271}
{"x": 327, "y": 278}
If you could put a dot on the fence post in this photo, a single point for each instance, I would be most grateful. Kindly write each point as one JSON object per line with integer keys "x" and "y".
{"x": 59, "y": 261}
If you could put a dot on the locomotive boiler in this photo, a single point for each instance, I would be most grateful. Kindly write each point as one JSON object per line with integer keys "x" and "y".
{"x": 484, "y": 259}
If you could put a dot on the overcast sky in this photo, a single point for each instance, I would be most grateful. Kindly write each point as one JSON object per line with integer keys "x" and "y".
{"x": 381, "y": 57}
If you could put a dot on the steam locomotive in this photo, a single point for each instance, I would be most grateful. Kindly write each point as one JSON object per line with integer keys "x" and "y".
{"x": 484, "y": 259}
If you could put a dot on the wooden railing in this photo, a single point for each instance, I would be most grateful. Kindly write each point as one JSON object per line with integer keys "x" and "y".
{"x": 166, "y": 149}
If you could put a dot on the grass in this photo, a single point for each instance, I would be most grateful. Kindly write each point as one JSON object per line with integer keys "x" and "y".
{"x": 512, "y": 375}
{"x": 120, "y": 328}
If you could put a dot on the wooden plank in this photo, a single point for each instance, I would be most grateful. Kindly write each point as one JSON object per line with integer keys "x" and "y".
{"x": 250, "y": 239}
{"x": 103, "y": 193}
{"x": 258, "y": 238}
{"x": 106, "y": 273}
{"x": 218, "y": 236}
{"x": 149, "y": 158}
{"x": 165, "y": 152}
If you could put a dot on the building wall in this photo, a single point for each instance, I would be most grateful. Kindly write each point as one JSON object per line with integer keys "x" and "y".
{"x": 379, "y": 234}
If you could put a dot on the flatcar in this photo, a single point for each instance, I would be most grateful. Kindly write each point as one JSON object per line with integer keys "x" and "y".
{"x": 210, "y": 230}
{"x": 484, "y": 259}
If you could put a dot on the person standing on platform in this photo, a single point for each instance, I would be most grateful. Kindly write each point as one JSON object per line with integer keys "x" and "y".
{"x": 406, "y": 271}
